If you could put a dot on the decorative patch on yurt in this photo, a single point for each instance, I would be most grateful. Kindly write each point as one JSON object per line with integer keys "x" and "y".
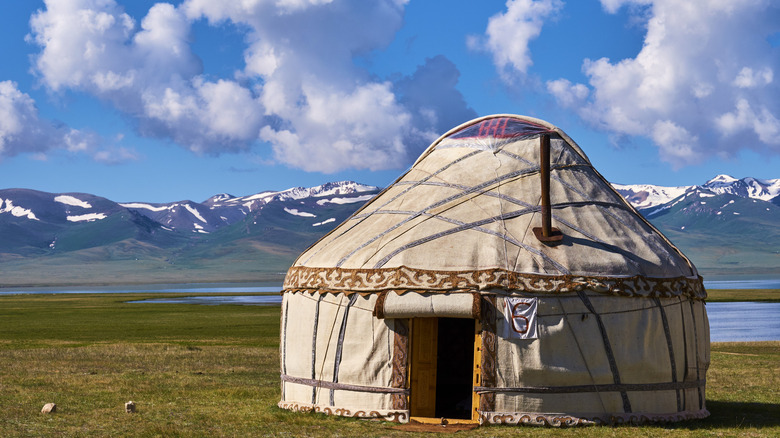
{"x": 520, "y": 316}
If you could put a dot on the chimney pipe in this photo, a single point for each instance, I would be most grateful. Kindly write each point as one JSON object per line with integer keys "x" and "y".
{"x": 546, "y": 233}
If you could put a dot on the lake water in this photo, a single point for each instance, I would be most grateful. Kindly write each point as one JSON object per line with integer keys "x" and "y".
{"x": 772, "y": 283}
{"x": 736, "y": 322}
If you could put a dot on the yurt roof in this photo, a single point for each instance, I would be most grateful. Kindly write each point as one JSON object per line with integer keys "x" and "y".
{"x": 461, "y": 219}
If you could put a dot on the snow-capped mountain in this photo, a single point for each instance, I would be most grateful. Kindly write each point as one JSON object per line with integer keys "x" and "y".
{"x": 645, "y": 196}
{"x": 726, "y": 226}
{"x": 184, "y": 216}
{"x": 765, "y": 190}
{"x": 224, "y": 209}
{"x": 40, "y": 223}
{"x": 327, "y": 193}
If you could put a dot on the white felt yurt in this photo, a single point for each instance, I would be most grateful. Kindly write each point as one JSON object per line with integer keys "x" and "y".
{"x": 447, "y": 296}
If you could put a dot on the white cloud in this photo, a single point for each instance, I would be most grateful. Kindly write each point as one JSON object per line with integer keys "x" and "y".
{"x": 300, "y": 89}
{"x": 747, "y": 78}
{"x": 508, "y": 34}
{"x": 704, "y": 75}
{"x": 148, "y": 72}
{"x": 363, "y": 129}
{"x": 568, "y": 94}
{"x": 18, "y": 117}
{"x": 23, "y": 131}
{"x": 675, "y": 142}
{"x": 743, "y": 118}
{"x": 330, "y": 115}
{"x": 115, "y": 155}
{"x": 612, "y": 6}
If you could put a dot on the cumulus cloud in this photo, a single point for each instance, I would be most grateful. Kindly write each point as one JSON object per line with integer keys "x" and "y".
{"x": 702, "y": 84}
{"x": 146, "y": 71}
{"x": 300, "y": 89}
{"x": 508, "y": 34}
{"x": 20, "y": 128}
{"x": 23, "y": 131}
{"x": 568, "y": 94}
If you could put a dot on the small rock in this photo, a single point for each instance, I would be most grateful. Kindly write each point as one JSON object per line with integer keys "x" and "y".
{"x": 49, "y": 408}
{"x": 130, "y": 407}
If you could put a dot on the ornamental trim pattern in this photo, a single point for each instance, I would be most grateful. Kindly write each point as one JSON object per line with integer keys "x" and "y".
{"x": 381, "y": 414}
{"x": 402, "y": 279}
{"x": 563, "y": 420}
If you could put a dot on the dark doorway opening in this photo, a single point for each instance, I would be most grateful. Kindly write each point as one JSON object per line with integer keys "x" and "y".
{"x": 455, "y": 368}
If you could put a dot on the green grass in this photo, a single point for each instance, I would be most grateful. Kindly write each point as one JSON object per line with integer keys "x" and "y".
{"x": 733, "y": 295}
{"x": 197, "y": 370}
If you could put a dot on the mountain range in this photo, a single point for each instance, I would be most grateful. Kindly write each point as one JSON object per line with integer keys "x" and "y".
{"x": 727, "y": 226}
{"x": 78, "y": 238}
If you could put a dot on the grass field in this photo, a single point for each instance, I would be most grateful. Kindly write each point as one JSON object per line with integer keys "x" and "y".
{"x": 734, "y": 295}
{"x": 197, "y": 370}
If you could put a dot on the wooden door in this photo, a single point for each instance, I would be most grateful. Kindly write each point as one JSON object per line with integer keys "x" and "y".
{"x": 424, "y": 337}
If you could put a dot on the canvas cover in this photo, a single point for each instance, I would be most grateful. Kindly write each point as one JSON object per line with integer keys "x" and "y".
{"x": 622, "y": 328}
{"x": 462, "y": 218}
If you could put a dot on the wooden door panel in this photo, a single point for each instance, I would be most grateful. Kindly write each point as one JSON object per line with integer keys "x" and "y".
{"x": 425, "y": 333}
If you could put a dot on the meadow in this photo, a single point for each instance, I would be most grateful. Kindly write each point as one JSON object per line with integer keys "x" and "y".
{"x": 196, "y": 370}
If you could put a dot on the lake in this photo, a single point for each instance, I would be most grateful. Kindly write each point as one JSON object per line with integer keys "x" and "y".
{"x": 744, "y": 321}
{"x": 772, "y": 283}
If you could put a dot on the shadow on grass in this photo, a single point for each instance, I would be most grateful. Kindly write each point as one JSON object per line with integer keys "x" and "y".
{"x": 737, "y": 415}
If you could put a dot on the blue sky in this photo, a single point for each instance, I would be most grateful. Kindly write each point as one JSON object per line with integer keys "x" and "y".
{"x": 146, "y": 101}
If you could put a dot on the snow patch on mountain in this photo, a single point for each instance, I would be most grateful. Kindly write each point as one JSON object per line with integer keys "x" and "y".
{"x": 326, "y": 221}
{"x": 195, "y": 213}
{"x": 222, "y": 197}
{"x": 90, "y": 217}
{"x": 362, "y": 198}
{"x": 146, "y": 206}
{"x": 72, "y": 200}
{"x": 721, "y": 180}
{"x": 666, "y": 206}
{"x": 295, "y": 212}
{"x": 16, "y": 210}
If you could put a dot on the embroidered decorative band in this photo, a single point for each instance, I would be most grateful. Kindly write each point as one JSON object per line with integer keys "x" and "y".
{"x": 558, "y": 420}
{"x": 342, "y": 386}
{"x": 396, "y": 416}
{"x": 403, "y": 278}
{"x": 668, "y": 386}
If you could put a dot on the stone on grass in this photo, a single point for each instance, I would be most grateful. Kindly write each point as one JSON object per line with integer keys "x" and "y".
{"x": 130, "y": 407}
{"x": 49, "y": 408}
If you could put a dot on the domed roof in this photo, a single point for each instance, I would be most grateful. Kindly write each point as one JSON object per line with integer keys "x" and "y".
{"x": 462, "y": 218}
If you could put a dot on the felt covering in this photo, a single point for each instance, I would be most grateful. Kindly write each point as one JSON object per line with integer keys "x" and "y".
{"x": 622, "y": 327}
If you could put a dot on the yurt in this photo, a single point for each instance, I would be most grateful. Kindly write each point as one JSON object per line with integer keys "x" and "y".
{"x": 501, "y": 279}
